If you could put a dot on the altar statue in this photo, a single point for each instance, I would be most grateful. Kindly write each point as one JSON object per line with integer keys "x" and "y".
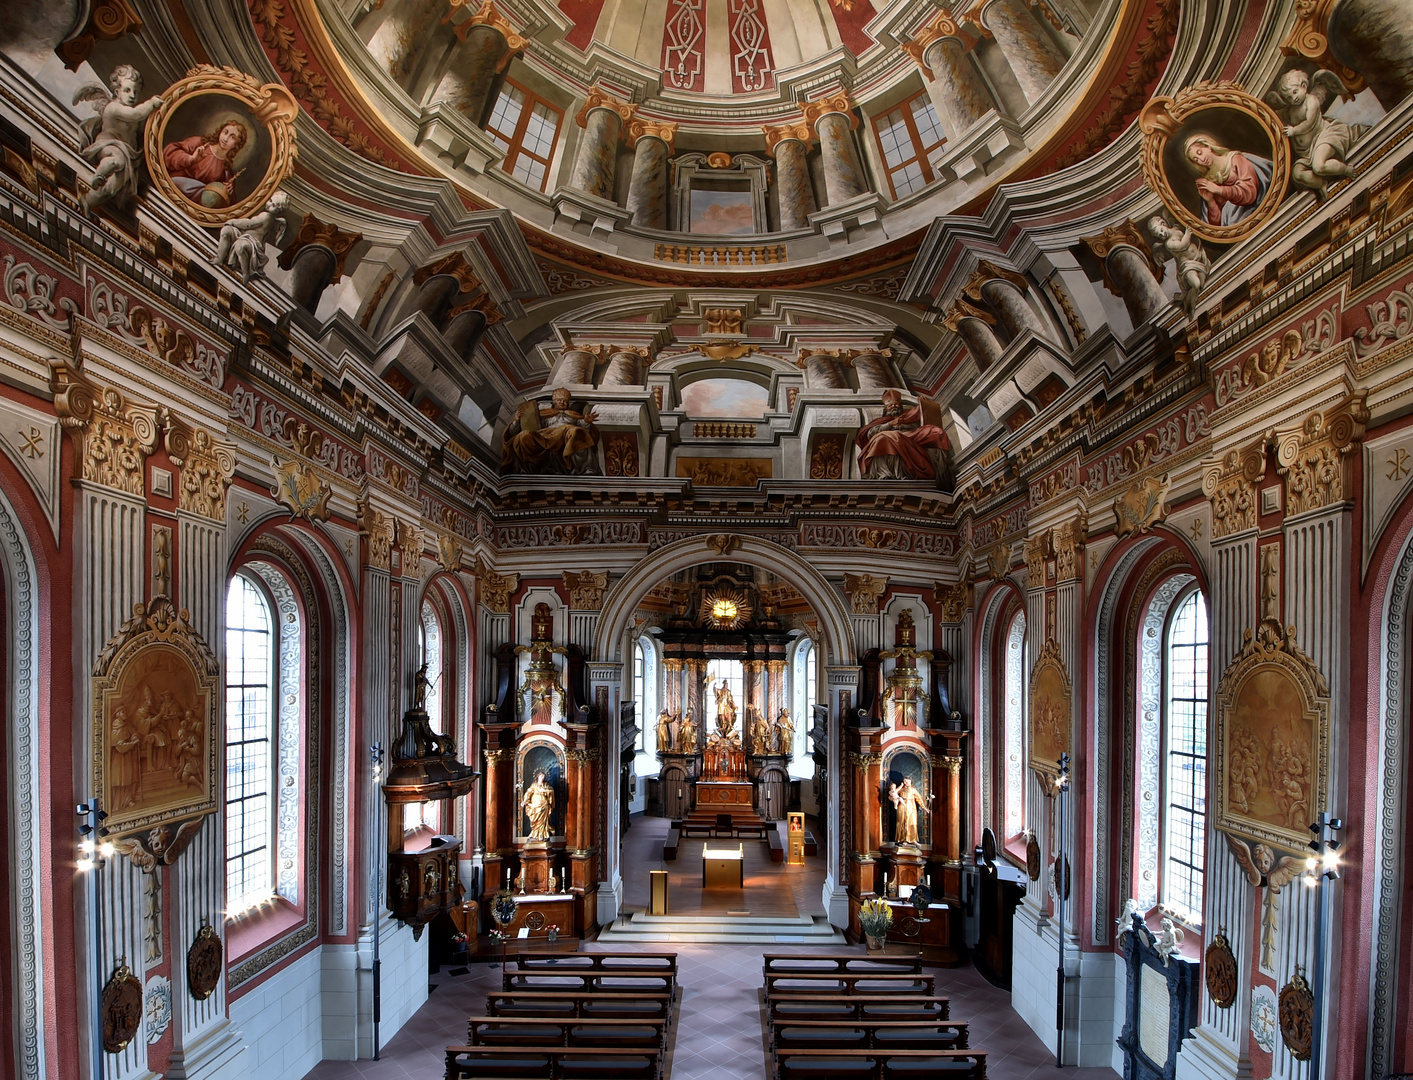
{"x": 784, "y": 733}
{"x": 664, "y": 732}
{"x": 760, "y": 731}
{"x": 538, "y": 804}
{"x": 725, "y": 710}
{"x": 908, "y": 800}
{"x": 687, "y": 734}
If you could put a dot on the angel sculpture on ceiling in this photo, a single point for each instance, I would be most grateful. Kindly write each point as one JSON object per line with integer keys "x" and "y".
{"x": 243, "y": 240}
{"x": 114, "y": 134}
{"x": 1193, "y": 262}
{"x": 1320, "y": 142}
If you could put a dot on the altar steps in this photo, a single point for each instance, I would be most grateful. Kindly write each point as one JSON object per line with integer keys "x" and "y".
{"x": 722, "y": 930}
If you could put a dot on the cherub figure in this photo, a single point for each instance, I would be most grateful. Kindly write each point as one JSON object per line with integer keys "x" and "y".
{"x": 114, "y": 135}
{"x": 1167, "y": 940}
{"x": 243, "y": 240}
{"x": 1193, "y": 263}
{"x": 1320, "y": 143}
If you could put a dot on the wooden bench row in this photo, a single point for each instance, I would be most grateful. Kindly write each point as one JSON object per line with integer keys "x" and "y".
{"x": 608, "y": 1005}
{"x": 868, "y": 1035}
{"x": 848, "y": 982}
{"x": 552, "y": 1062}
{"x": 808, "y": 963}
{"x": 540, "y": 1031}
{"x": 867, "y": 1064}
{"x": 847, "y": 1008}
{"x": 649, "y": 971}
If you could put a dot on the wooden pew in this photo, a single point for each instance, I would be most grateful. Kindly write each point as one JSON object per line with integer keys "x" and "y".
{"x": 847, "y": 1008}
{"x": 565, "y": 1004}
{"x": 690, "y": 829}
{"x": 669, "y": 846}
{"x": 880, "y": 1064}
{"x": 552, "y": 1063}
{"x": 869, "y": 1034}
{"x": 777, "y": 849}
{"x": 906, "y": 963}
{"x": 844, "y": 982}
{"x": 563, "y": 1031}
{"x": 591, "y": 971}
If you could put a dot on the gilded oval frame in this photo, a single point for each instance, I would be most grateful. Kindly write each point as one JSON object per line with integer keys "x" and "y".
{"x": 269, "y": 106}
{"x": 1206, "y": 108}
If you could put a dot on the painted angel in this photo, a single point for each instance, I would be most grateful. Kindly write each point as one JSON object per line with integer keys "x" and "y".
{"x": 243, "y": 240}
{"x": 1320, "y": 143}
{"x": 1193, "y": 262}
{"x": 115, "y": 134}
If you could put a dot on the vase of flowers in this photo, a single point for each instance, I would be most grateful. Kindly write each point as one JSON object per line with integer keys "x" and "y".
{"x": 503, "y": 912}
{"x": 552, "y": 932}
{"x": 875, "y": 916}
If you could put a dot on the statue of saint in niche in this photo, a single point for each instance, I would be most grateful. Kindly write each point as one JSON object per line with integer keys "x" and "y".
{"x": 538, "y": 804}
{"x": 907, "y": 800}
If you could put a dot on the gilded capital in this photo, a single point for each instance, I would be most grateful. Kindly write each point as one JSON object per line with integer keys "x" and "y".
{"x": 775, "y": 134}
{"x": 837, "y": 102}
{"x": 597, "y": 99}
{"x": 640, "y": 128}
{"x": 487, "y": 14}
{"x": 942, "y": 25}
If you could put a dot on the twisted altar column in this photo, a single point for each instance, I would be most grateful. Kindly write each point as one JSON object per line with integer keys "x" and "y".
{"x": 789, "y": 144}
{"x": 833, "y": 120}
{"x": 1033, "y": 57}
{"x": 651, "y": 142}
{"x": 602, "y": 119}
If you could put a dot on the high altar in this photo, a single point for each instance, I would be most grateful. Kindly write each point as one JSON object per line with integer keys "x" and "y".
{"x": 719, "y": 754}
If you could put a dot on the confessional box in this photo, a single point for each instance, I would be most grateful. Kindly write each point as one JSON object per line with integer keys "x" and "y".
{"x": 423, "y": 883}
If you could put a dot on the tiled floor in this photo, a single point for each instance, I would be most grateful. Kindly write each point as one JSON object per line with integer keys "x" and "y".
{"x": 720, "y": 1027}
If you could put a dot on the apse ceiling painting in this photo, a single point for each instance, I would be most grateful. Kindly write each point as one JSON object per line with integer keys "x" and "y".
{"x": 733, "y": 399}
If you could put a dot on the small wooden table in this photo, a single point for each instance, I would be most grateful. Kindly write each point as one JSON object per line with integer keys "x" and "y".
{"x": 723, "y": 868}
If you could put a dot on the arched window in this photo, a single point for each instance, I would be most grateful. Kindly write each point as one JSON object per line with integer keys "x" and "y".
{"x": 426, "y": 815}
{"x": 642, "y": 702}
{"x": 1185, "y": 759}
{"x": 1171, "y": 801}
{"x": 250, "y": 729}
{"x": 1013, "y": 703}
{"x": 805, "y": 683}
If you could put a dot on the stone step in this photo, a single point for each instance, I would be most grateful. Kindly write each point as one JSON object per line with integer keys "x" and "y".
{"x": 723, "y": 930}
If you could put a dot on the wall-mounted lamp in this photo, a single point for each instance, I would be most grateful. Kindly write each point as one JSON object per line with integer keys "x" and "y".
{"x": 1321, "y": 868}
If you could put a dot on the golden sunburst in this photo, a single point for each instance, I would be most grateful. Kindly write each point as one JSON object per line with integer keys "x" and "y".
{"x": 726, "y": 609}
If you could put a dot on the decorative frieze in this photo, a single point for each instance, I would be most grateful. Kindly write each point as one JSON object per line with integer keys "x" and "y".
{"x": 1230, "y": 485}
{"x": 586, "y": 534}
{"x": 1312, "y": 458}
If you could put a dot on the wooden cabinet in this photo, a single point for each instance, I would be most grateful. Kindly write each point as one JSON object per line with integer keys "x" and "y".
{"x": 423, "y": 883}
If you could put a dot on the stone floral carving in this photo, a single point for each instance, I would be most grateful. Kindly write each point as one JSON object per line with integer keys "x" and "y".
{"x": 118, "y": 438}
{"x": 1037, "y": 550}
{"x": 1230, "y": 485}
{"x": 300, "y": 488}
{"x": 1312, "y": 458}
{"x": 496, "y": 589}
{"x": 954, "y": 600}
{"x": 1069, "y": 549}
{"x": 864, "y": 592}
{"x": 586, "y": 589}
{"x": 1142, "y": 506}
{"x": 377, "y": 531}
{"x": 207, "y": 467}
